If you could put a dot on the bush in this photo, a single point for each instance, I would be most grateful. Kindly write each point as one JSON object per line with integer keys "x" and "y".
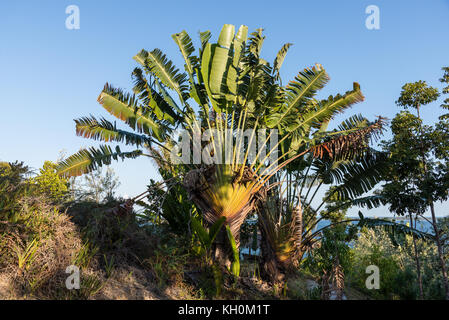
{"x": 397, "y": 266}
{"x": 13, "y": 187}
{"x": 49, "y": 183}
{"x": 37, "y": 248}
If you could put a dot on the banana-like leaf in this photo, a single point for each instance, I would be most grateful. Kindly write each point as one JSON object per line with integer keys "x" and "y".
{"x": 160, "y": 105}
{"x": 206, "y": 60}
{"x": 221, "y": 60}
{"x": 104, "y": 130}
{"x": 255, "y": 43}
{"x": 201, "y": 232}
{"x": 87, "y": 160}
{"x": 238, "y": 46}
{"x": 125, "y": 107}
{"x": 369, "y": 202}
{"x": 207, "y": 238}
{"x": 235, "y": 266}
{"x": 280, "y": 59}
{"x": 204, "y": 38}
{"x": 394, "y": 227}
{"x": 325, "y": 110}
{"x": 353, "y": 177}
{"x": 299, "y": 92}
{"x": 185, "y": 44}
{"x": 347, "y": 144}
{"x": 157, "y": 63}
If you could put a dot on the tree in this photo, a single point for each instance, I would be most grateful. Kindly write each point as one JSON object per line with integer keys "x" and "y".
{"x": 234, "y": 89}
{"x": 14, "y": 186}
{"x": 417, "y": 175}
{"x": 417, "y": 94}
{"x": 97, "y": 186}
{"x": 48, "y": 182}
{"x": 332, "y": 259}
{"x": 287, "y": 219}
{"x": 445, "y": 104}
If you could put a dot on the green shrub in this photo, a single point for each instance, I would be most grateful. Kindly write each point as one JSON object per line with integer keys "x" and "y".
{"x": 13, "y": 187}
{"x": 49, "y": 183}
{"x": 397, "y": 266}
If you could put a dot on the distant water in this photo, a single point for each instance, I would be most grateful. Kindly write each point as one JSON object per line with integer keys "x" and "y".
{"x": 421, "y": 225}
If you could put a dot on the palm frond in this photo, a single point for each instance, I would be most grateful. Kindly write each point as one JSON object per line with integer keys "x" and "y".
{"x": 87, "y": 160}
{"x": 204, "y": 38}
{"x": 299, "y": 92}
{"x": 350, "y": 143}
{"x": 104, "y": 130}
{"x": 280, "y": 59}
{"x": 357, "y": 177}
{"x": 369, "y": 202}
{"x": 125, "y": 107}
{"x": 317, "y": 113}
{"x": 185, "y": 44}
{"x": 156, "y": 63}
{"x": 158, "y": 103}
{"x": 393, "y": 227}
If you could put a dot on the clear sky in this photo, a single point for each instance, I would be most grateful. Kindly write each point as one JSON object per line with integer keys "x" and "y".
{"x": 50, "y": 75}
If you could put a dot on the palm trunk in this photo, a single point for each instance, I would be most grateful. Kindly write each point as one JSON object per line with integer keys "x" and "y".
{"x": 418, "y": 265}
{"x": 221, "y": 249}
{"x": 270, "y": 267}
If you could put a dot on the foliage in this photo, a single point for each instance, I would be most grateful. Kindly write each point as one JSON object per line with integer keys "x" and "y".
{"x": 227, "y": 88}
{"x": 168, "y": 262}
{"x": 206, "y": 237}
{"x": 287, "y": 218}
{"x": 96, "y": 186}
{"x": 443, "y": 226}
{"x": 234, "y": 89}
{"x": 445, "y": 104}
{"x": 116, "y": 237}
{"x": 36, "y": 249}
{"x": 167, "y": 201}
{"x": 396, "y": 265}
{"x": 49, "y": 182}
{"x": 332, "y": 259}
{"x": 417, "y": 94}
{"x": 409, "y": 185}
{"x": 14, "y": 186}
{"x": 235, "y": 266}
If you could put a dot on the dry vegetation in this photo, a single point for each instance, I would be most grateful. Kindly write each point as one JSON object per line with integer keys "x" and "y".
{"x": 118, "y": 259}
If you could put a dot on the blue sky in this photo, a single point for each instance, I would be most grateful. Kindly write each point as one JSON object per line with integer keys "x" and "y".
{"x": 50, "y": 75}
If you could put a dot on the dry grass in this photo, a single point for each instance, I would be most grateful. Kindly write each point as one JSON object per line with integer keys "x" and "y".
{"x": 36, "y": 250}
{"x": 117, "y": 258}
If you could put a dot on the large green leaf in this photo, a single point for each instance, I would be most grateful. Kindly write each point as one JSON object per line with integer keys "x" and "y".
{"x": 280, "y": 59}
{"x": 87, "y": 160}
{"x": 235, "y": 266}
{"x": 393, "y": 227}
{"x": 157, "y": 63}
{"x": 185, "y": 44}
{"x": 207, "y": 238}
{"x": 125, "y": 107}
{"x": 158, "y": 103}
{"x": 300, "y": 91}
{"x": 104, "y": 130}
